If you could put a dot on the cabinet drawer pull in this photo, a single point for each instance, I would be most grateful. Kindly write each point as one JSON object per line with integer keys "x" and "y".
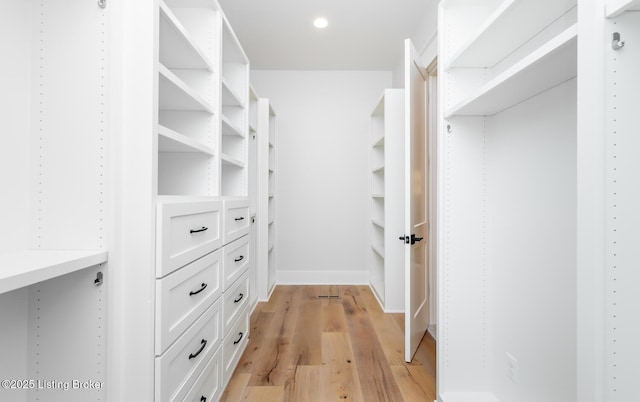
{"x": 194, "y": 355}
{"x": 239, "y": 258}
{"x": 203, "y": 399}
{"x": 204, "y": 228}
{"x": 203, "y": 287}
{"x": 239, "y": 298}
{"x": 239, "y": 339}
{"x": 240, "y": 218}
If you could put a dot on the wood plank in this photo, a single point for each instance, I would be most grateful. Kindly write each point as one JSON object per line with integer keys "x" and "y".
{"x": 333, "y": 317}
{"x": 271, "y": 394}
{"x": 306, "y": 385}
{"x": 391, "y": 336}
{"x": 236, "y": 387}
{"x": 414, "y": 383}
{"x": 258, "y": 342}
{"x": 340, "y": 379}
{"x": 376, "y": 379}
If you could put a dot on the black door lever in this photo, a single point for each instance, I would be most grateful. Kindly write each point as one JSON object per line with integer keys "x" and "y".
{"x": 415, "y": 239}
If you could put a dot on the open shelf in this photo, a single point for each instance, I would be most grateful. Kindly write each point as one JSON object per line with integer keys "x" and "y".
{"x": 174, "y": 94}
{"x": 550, "y": 65}
{"x": 26, "y": 267}
{"x": 512, "y": 24}
{"x": 177, "y": 47}
{"x": 617, "y": 7}
{"x": 229, "y": 128}
{"x": 171, "y": 141}
{"x": 378, "y": 142}
{"x": 378, "y": 169}
{"x": 229, "y": 161}
{"x": 377, "y": 195}
{"x": 229, "y": 96}
{"x": 378, "y": 222}
{"x": 378, "y": 249}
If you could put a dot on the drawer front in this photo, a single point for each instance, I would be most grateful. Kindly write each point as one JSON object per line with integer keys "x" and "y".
{"x": 235, "y": 260}
{"x": 208, "y": 387}
{"x": 234, "y": 302}
{"x": 236, "y": 219}
{"x": 184, "y": 295}
{"x": 234, "y": 344}
{"x": 179, "y": 367}
{"x": 186, "y": 232}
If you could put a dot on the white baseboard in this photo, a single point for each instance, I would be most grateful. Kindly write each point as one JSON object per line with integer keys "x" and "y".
{"x": 433, "y": 332}
{"x": 322, "y": 277}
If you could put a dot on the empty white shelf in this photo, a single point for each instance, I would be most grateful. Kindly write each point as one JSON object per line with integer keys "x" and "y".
{"x": 229, "y": 128}
{"x": 377, "y": 195}
{"x": 229, "y": 96}
{"x": 378, "y": 249}
{"x": 252, "y": 127}
{"x": 550, "y": 65}
{"x": 378, "y": 169}
{"x": 171, "y": 141}
{"x": 617, "y": 7}
{"x": 229, "y": 161}
{"x": 378, "y": 141}
{"x": 26, "y": 267}
{"x": 378, "y": 222}
{"x": 177, "y": 47}
{"x": 174, "y": 94}
{"x": 512, "y": 24}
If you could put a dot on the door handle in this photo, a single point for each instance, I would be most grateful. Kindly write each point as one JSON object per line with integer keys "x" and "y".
{"x": 415, "y": 239}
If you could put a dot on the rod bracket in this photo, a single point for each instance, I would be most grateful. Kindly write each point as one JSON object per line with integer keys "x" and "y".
{"x": 616, "y": 43}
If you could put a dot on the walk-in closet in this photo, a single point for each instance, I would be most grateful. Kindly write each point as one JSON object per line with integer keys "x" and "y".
{"x": 244, "y": 200}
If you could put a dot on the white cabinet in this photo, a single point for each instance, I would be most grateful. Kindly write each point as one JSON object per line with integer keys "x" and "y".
{"x": 55, "y": 208}
{"x": 266, "y": 196}
{"x": 386, "y": 275}
{"x": 507, "y": 173}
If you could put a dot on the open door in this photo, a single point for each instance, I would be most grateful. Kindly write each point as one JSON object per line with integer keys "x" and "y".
{"x": 416, "y": 201}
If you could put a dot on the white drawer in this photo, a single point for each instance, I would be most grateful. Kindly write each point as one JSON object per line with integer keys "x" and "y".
{"x": 234, "y": 301}
{"x": 236, "y": 219}
{"x": 208, "y": 387}
{"x": 184, "y": 295}
{"x": 179, "y": 367}
{"x": 234, "y": 344}
{"x": 186, "y": 232}
{"x": 235, "y": 260}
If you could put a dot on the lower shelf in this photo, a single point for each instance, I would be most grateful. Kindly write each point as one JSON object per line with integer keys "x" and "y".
{"x": 26, "y": 267}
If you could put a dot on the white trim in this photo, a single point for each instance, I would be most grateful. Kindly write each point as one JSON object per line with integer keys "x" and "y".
{"x": 360, "y": 277}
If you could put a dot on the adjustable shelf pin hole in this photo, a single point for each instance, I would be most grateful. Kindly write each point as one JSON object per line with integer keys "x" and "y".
{"x": 616, "y": 43}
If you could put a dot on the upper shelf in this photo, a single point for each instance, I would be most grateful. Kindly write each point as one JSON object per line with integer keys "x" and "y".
{"x": 26, "y": 267}
{"x": 171, "y": 141}
{"x": 177, "y": 47}
{"x": 174, "y": 94}
{"x": 550, "y": 65}
{"x": 229, "y": 96}
{"x": 617, "y": 7}
{"x": 229, "y": 128}
{"x": 512, "y": 24}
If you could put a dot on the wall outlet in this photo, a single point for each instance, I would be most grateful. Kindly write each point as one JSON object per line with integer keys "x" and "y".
{"x": 512, "y": 368}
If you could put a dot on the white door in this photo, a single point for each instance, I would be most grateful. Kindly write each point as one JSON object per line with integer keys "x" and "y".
{"x": 416, "y": 201}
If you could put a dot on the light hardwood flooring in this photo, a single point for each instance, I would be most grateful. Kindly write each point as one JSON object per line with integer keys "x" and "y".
{"x": 305, "y": 348}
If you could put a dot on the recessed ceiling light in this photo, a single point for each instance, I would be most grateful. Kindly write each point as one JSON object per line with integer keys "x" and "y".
{"x": 320, "y": 23}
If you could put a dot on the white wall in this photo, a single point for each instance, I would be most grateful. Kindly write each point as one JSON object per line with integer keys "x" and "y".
{"x": 322, "y": 171}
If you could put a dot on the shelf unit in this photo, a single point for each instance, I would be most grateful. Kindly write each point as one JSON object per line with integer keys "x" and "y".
{"x": 266, "y": 213}
{"x": 507, "y": 179}
{"x": 234, "y": 88}
{"x": 386, "y": 276}
{"x": 615, "y": 8}
{"x": 56, "y": 206}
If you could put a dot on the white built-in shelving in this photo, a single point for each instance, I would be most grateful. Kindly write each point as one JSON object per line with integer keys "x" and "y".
{"x": 387, "y": 138}
{"x": 507, "y": 182}
{"x": 615, "y": 8}
{"x": 266, "y": 214}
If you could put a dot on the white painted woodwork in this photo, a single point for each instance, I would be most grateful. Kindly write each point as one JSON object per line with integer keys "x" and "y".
{"x": 507, "y": 260}
{"x": 184, "y": 295}
{"x": 209, "y": 385}
{"x": 186, "y": 231}
{"x": 233, "y": 345}
{"x": 386, "y": 276}
{"x": 178, "y": 368}
{"x": 416, "y": 201}
{"x": 235, "y": 260}
{"x": 235, "y": 300}
{"x": 236, "y": 219}
{"x": 615, "y": 8}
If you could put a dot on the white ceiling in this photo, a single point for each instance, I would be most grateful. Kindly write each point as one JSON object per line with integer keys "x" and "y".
{"x": 362, "y": 34}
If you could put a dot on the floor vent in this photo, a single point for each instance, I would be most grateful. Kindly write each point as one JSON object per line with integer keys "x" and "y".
{"x": 328, "y": 297}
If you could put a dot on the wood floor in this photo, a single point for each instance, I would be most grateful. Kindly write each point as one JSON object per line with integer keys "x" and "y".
{"x": 305, "y": 348}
